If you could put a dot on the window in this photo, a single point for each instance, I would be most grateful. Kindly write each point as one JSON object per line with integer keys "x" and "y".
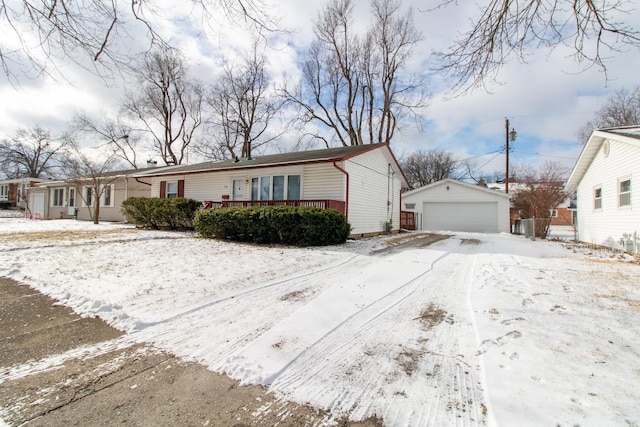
{"x": 4, "y": 192}
{"x": 597, "y": 198}
{"x": 254, "y": 189}
{"x": 265, "y": 187}
{"x": 624, "y": 195}
{"x": 275, "y": 187}
{"x": 88, "y": 196}
{"x": 409, "y": 205}
{"x": 172, "y": 190}
{"x": 57, "y": 198}
{"x": 293, "y": 187}
{"x": 278, "y": 187}
{"x": 553, "y": 213}
{"x": 72, "y": 197}
{"x": 107, "y": 195}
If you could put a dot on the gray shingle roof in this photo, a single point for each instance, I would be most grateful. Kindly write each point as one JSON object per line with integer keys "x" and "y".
{"x": 328, "y": 154}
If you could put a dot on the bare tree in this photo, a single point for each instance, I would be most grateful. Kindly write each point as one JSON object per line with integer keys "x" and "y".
{"x": 114, "y": 135}
{"x": 352, "y": 89}
{"x": 50, "y": 33}
{"x": 243, "y": 109}
{"x": 92, "y": 178}
{"x": 169, "y": 105}
{"x": 507, "y": 29}
{"x": 33, "y": 152}
{"x": 425, "y": 167}
{"x": 539, "y": 192}
{"x": 621, "y": 109}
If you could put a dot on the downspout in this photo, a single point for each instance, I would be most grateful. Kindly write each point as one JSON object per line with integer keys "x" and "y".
{"x": 346, "y": 201}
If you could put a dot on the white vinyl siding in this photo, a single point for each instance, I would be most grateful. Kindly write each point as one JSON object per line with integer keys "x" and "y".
{"x": 374, "y": 193}
{"x": 323, "y": 181}
{"x": 610, "y": 222}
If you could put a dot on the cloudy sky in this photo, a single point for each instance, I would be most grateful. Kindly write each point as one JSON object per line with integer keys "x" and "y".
{"x": 546, "y": 100}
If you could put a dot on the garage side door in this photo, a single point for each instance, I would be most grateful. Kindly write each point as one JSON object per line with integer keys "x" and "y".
{"x": 462, "y": 216}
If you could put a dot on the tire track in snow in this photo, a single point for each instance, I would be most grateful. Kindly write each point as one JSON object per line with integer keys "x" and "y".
{"x": 228, "y": 323}
{"x": 350, "y": 372}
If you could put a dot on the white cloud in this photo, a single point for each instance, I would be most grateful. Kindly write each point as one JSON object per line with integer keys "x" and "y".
{"x": 546, "y": 100}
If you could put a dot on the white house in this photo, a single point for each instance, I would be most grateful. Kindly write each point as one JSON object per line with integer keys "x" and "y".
{"x": 608, "y": 205}
{"x": 451, "y": 205}
{"x": 363, "y": 182}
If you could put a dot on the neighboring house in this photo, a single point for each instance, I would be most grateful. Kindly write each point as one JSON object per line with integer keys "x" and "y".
{"x": 15, "y": 191}
{"x": 608, "y": 202}
{"x": 363, "y": 182}
{"x": 562, "y": 215}
{"x": 451, "y": 205}
{"x": 60, "y": 199}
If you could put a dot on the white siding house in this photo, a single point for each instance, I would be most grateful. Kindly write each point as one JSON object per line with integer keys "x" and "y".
{"x": 363, "y": 182}
{"x": 451, "y": 205}
{"x": 605, "y": 180}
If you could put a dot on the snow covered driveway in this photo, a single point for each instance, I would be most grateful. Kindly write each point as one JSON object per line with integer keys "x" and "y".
{"x": 472, "y": 330}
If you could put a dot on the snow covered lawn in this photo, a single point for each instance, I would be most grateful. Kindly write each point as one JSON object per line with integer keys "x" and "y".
{"x": 472, "y": 330}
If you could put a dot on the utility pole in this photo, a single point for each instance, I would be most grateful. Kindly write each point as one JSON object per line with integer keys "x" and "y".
{"x": 508, "y": 136}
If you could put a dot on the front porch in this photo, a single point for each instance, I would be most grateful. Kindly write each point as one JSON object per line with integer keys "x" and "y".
{"x": 338, "y": 205}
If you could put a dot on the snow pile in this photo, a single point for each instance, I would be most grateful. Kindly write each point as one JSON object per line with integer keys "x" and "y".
{"x": 472, "y": 330}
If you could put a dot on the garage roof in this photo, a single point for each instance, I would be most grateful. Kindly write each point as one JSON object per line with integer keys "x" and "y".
{"x": 456, "y": 182}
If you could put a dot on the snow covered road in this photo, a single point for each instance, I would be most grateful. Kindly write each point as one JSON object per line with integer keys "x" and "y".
{"x": 472, "y": 330}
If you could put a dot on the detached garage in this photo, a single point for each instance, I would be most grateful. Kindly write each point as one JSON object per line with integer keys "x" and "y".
{"x": 451, "y": 205}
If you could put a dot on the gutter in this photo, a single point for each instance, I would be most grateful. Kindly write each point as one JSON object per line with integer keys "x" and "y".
{"x": 346, "y": 201}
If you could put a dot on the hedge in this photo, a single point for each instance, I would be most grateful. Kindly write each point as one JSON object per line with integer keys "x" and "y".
{"x": 174, "y": 213}
{"x": 289, "y": 225}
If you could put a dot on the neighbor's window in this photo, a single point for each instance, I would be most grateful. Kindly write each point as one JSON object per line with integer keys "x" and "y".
{"x": 624, "y": 195}
{"x": 88, "y": 196}
{"x": 107, "y": 195}
{"x": 409, "y": 205}
{"x": 58, "y": 197}
{"x": 4, "y": 192}
{"x": 553, "y": 213}
{"x": 172, "y": 189}
{"x": 597, "y": 198}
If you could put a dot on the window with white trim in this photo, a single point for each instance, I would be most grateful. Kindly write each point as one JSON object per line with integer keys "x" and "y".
{"x": 172, "y": 189}
{"x": 72, "y": 197}
{"x": 107, "y": 195}
{"x": 4, "y": 192}
{"x": 553, "y": 213}
{"x": 88, "y": 195}
{"x": 274, "y": 187}
{"x": 624, "y": 192}
{"x": 597, "y": 198}
{"x": 57, "y": 197}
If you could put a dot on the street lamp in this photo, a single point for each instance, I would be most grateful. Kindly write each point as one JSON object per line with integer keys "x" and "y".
{"x": 509, "y": 136}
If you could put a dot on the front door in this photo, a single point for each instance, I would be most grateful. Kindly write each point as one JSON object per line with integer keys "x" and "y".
{"x": 72, "y": 201}
{"x": 238, "y": 189}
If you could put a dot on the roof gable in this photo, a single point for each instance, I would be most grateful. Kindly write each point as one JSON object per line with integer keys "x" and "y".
{"x": 450, "y": 181}
{"x": 627, "y": 134}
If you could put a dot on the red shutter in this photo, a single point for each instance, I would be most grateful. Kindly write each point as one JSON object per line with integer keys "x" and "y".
{"x": 163, "y": 189}
{"x": 181, "y": 188}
